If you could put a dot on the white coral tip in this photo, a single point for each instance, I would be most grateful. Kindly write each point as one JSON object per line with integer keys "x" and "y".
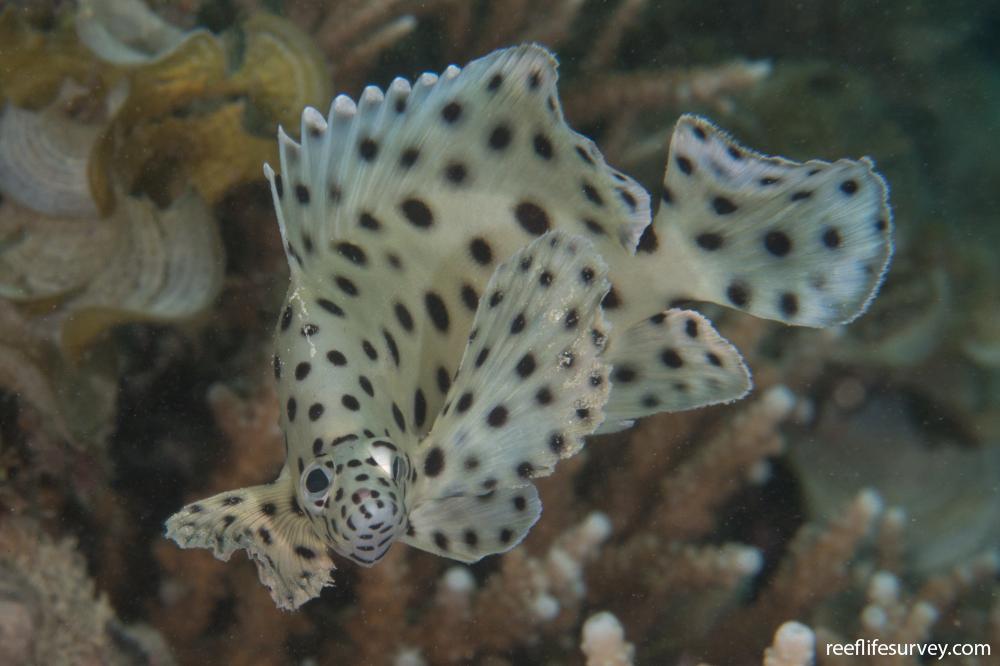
{"x": 545, "y": 607}
{"x": 794, "y": 645}
{"x": 604, "y": 641}
{"x": 344, "y": 105}
{"x": 597, "y": 527}
{"x": 458, "y": 579}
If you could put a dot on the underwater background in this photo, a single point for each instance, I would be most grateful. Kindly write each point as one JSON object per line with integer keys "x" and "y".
{"x": 855, "y": 492}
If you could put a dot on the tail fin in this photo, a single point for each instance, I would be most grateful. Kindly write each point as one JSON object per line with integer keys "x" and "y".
{"x": 266, "y": 521}
{"x": 803, "y": 243}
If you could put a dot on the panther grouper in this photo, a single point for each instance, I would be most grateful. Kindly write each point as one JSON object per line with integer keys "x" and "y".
{"x": 474, "y": 291}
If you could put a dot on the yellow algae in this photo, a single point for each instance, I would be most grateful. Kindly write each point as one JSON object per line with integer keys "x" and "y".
{"x": 282, "y": 70}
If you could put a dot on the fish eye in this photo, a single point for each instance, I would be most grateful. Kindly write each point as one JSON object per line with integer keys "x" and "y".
{"x": 316, "y": 485}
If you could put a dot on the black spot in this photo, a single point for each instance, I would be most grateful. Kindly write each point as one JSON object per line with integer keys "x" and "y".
{"x": 265, "y": 535}
{"x": 302, "y": 370}
{"x": 480, "y": 251}
{"x": 269, "y": 508}
{"x": 279, "y": 186}
{"x": 490, "y": 484}
{"x": 456, "y": 173}
{"x": 484, "y": 353}
{"x": 315, "y": 411}
{"x": 671, "y": 358}
{"x": 451, "y": 112}
{"x": 346, "y": 285}
{"x": 368, "y": 149}
{"x": 535, "y": 80}
{"x": 496, "y": 298}
{"x": 400, "y": 105}
{"x": 393, "y": 260}
{"x": 437, "y": 310}
{"x": 404, "y": 317}
{"x": 658, "y": 318}
{"x": 517, "y": 325}
{"x": 648, "y": 242}
{"x": 684, "y": 164}
{"x": 526, "y": 366}
{"x": 369, "y": 350}
{"x": 302, "y": 194}
{"x": 366, "y": 386}
{"x": 525, "y": 469}
{"x": 443, "y": 380}
{"x": 723, "y": 206}
{"x": 304, "y": 553}
{"x": 417, "y": 213}
{"x": 506, "y": 534}
{"x": 666, "y": 196}
{"x": 831, "y": 238}
{"x": 649, "y": 401}
{"x": 464, "y": 402}
{"x": 789, "y": 304}
{"x": 572, "y": 319}
{"x": 286, "y": 318}
{"x": 881, "y": 224}
{"x": 735, "y": 153}
{"x": 497, "y": 416}
{"x": 350, "y": 402}
{"x": 291, "y": 408}
{"x": 624, "y": 374}
{"x": 526, "y": 263}
{"x": 409, "y": 157}
{"x": 544, "y": 396}
{"x": 419, "y": 408}
{"x": 232, "y": 500}
{"x": 309, "y": 330}
{"x": 330, "y": 306}
{"x": 594, "y": 227}
{"x": 699, "y": 133}
{"x": 336, "y": 357}
{"x": 586, "y": 274}
{"x": 691, "y": 328}
{"x": 629, "y": 200}
{"x": 368, "y": 221}
{"x": 500, "y": 137}
{"x": 709, "y": 241}
{"x": 440, "y": 540}
{"x": 471, "y": 538}
{"x": 611, "y": 300}
{"x": 276, "y": 362}
{"x": 494, "y": 83}
{"x": 714, "y": 359}
{"x": 390, "y": 343}
{"x": 582, "y": 413}
{"x": 470, "y": 297}
{"x": 352, "y": 253}
{"x": 584, "y": 155}
{"x": 592, "y": 194}
{"x": 317, "y": 446}
{"x": 434, "y": 462}
{"x": 801, "y": 195}
{"x": 849, "y": 187}
{"x": 738, "y": 294}
{"x": 545, "y": 279}
{"x": 777, "y": 243}
{"x": 532, "y": 218}
{"x": 397, "y": 416}
{"x": 543, "y": 147}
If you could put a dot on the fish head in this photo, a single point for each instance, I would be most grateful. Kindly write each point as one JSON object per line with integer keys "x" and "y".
{"x": 355, "y": 497}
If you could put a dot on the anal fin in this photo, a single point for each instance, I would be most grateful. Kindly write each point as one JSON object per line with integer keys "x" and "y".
{"x": 266, "y": 521}
{"x": 670, "y": 362}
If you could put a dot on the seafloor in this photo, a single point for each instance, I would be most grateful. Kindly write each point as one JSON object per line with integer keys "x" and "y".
{"x": 855, "y": 493}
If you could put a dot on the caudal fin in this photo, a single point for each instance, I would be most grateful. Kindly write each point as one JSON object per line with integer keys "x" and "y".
{"x": 803, "y": 243}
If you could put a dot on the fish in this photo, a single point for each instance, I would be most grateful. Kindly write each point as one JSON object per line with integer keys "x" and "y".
{"x": 474, "y": 291}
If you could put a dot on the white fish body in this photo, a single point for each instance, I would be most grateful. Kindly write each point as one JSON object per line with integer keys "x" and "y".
{"x": 474, "y": 291}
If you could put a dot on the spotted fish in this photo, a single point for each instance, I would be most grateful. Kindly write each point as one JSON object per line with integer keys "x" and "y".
{"x": 474, "y": 291}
